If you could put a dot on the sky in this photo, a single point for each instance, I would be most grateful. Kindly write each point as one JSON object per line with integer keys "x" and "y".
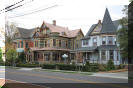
{"x": 74, "y": 14}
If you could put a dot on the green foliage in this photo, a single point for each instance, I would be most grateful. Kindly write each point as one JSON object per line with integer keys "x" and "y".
{"x": 66, "y": 67}
{"x": 0, "y": 55}
{"x": 11, "y": 56}
{"x": 29, "y": 65}
{"x": 123, "y": 38}
{"x": 130, "y": 0}
{"x": 110, "y": 65}
{"x": 21, "y": 58}
{"x": 87, "y": 68}
{"x": 48, "y": 66}
{"x": 102, "y": 67}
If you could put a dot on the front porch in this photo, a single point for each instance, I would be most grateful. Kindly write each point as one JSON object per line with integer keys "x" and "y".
{"x": 48, "y": 57}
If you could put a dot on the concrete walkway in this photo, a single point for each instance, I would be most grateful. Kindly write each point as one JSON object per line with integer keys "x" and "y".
{"x": 121, "y": 75}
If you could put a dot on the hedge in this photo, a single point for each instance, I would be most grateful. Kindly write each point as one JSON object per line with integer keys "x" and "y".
{"x": 86, "y": 68}
{"x": 27, "y": 65}
{"x": 48, "y": 66}
{"x": 2, "y": 64}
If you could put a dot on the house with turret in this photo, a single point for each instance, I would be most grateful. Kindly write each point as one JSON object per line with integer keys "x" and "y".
{"x": 100, "y": 43}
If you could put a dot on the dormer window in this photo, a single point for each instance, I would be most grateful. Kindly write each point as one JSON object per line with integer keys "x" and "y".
{"x": 63, "y": 33}
{"x": 36, "y": 34}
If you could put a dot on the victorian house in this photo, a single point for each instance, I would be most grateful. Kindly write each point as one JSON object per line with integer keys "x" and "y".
{"x": 48, "y": 43}
{"x": 100, "y": 43}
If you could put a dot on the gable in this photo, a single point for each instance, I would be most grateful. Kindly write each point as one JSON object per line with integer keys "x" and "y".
{"x": 97, "y": 29}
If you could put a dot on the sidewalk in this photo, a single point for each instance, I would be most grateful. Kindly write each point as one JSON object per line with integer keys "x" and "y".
{"x": 16, "y": 84}
{"x": 2, "y": 82}
{"x": 121, "y": 75}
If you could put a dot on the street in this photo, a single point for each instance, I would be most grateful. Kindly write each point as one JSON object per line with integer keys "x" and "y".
{"x": 2, "y": 72}
{"x": 57, "y": 79}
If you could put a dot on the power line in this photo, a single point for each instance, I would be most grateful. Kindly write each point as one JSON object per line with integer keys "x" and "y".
{"x": 12, "y": 5}
{"x": 8, "y": 8}
{"x": 35, "y": 11}
{"x": 13, "y": 8}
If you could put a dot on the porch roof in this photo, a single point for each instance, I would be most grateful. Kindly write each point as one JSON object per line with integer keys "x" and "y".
{"x": 108, "y": 47}
{"x": 87, "y": 49}
{"x": 49, "y": 49}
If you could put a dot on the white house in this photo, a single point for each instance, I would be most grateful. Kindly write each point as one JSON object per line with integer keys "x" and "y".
{"x": 100, "y": 43}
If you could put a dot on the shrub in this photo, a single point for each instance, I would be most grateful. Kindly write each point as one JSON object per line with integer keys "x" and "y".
{"x": 110, "y": 65}
{"x": 66, "y": 67}
{"x": 90, "y": 67}
{"x": 101, "y": 67}
{"x": 87, "y": 68}
{"x": 27, "y": 65}
{"x": 2, "y": 63}
{"x": 48, "y": 66}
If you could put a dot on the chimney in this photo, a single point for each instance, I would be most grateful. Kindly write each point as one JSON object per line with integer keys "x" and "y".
{"x": 99, "y": 21}
{"x": 54, "y": 22}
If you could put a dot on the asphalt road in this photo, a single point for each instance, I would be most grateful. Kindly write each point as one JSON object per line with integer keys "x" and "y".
{"x": 2, "y": 72}
{"x": 64, "y": 80}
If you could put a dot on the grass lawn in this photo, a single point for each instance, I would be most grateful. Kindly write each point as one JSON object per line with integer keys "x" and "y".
{"x": 3, "y": 87}
{"x": 64, "y": 71}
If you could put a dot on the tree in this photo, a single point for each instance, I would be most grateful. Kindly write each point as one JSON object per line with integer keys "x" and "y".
{"x": 130, "y": 0}
{"x": 130, "y": 32}
{"x": 123, "y": 38}
{"x": 123, "y": 35}
{"x": 10, "y": 29}
{"x": 1, "y": 55}
{"x": 11, "y": 56}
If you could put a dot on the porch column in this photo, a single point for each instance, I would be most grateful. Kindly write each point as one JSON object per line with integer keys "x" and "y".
{"x": 86, "y": 55}
{"x": 106, "y": 53}
{"x": 115, "y": 57}
{"x": 32, "y": 56}
{"x": 100, "y": 56}
{"x": 51, "y": 57}
{"x": 59, "y": 57}
{"x": 43, "y": 57}
{"x": 70, "y": 57}
{"x": 26, "y": 58}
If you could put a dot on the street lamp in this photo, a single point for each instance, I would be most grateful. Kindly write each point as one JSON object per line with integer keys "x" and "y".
{"x": 65, "y": 56}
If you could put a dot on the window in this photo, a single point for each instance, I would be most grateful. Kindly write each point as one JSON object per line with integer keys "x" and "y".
{"x": 103, "y": 40}
{"x": 66, "y": 44}
{"x": 45, "y": 43}
{"x": 115, "y": 41}
{"x": 103, "y": 55}
{"x": 18, "y": 45}
{"x": 110, "y": 40}
{"x": 59, "y": 43}
{"x": 111, "y": 53}
{"x": 36, "y": 43}
{"x": 48, "y": 43}
{"x": 54, "y": 42}
{"x": 63, "y": 33}
{"x": 85, "y": 42}
{"x": 41, "y": 43}
{"x": 95, "y": 41}
{"x": 77, "y": 44}
{"x": 21, "y": 44}
{"x": 26, "y": 44}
